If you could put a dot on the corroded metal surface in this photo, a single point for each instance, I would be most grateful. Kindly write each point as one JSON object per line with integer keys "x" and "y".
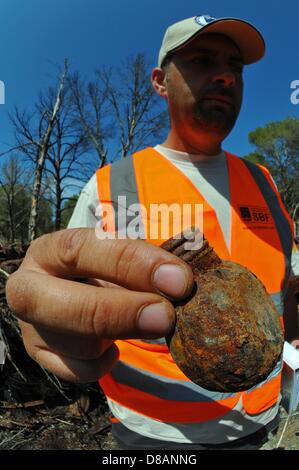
{"x": 228, "y": 335}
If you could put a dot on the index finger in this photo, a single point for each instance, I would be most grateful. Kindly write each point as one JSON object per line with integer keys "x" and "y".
{"x": 133, "y": 264}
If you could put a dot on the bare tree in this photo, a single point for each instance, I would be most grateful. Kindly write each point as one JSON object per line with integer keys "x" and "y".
{"x": 14, "y": 201}
{"x": 33, "y": 140}
{"x": 92, "y": 114}
{"x": 74, "y": 120}
{"x": 118, "y": 104}
{"x": 66, "y": 148}
{"x": 136, "y": 107}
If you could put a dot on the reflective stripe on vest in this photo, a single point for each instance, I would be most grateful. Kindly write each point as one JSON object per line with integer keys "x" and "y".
{"x": 235, "y": 424}
{"x": 283, "y": 222}
{"x": 265, "y": 249}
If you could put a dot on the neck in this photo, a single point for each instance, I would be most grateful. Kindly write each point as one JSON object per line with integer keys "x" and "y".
{"x": 200, "y": 146}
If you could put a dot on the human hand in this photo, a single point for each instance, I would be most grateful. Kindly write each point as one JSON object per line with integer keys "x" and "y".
{"x": 69, "y": 326}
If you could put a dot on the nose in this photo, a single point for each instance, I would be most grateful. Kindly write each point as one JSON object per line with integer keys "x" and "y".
{"x": 226, "y": 78}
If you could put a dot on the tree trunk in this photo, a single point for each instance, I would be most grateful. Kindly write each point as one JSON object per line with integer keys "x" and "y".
{"x": 58, "y": 206}
{"x": 42, "y": 154}
{"x": 36, "y": 195}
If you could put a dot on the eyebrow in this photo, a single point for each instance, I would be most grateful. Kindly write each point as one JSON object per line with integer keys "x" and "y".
{"x": 235, "y": 57}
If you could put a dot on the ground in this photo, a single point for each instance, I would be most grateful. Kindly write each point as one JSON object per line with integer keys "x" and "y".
{"x": 287, "y": 436}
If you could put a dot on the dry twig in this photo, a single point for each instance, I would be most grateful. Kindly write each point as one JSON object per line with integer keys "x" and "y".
{"x": 4, "y": 272}
{"x": 283, "y": 431}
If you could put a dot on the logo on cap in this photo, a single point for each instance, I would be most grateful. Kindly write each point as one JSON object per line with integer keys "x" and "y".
{"x": 204, "y": 20}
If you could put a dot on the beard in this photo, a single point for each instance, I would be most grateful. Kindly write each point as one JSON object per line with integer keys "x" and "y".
{"x": 215, "y": 117}
{"x": 221, "y": 118}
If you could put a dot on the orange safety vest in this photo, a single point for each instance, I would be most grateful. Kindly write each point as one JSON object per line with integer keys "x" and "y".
{"x": 146, "y": 380}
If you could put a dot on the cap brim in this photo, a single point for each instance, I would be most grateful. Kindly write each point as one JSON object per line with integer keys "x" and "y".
{"x": 248, "y": 39}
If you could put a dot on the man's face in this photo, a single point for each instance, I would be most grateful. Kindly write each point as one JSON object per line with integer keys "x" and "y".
{"x": 204, "y": 85}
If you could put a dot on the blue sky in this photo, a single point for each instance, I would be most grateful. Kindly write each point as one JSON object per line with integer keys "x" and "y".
{"x": 35, "y": 35}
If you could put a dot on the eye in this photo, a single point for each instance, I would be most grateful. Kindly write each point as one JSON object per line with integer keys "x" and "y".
{"x": 202, "y": 60}
{"x": 237, "y": 68}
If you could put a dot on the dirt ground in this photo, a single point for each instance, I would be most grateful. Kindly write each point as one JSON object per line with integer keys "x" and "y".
{"x": 287, "y": 436}
{"x": 43, "y": 427}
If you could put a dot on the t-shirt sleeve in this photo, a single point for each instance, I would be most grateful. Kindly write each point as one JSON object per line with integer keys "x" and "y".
{"x": 295, "y": 260}
{"x": 85, "y": 209}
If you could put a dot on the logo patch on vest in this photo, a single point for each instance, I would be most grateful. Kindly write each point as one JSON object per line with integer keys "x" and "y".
{"x": 257, "y": 216}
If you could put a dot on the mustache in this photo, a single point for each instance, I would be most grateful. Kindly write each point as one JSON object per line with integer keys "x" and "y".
{"x": 229, "y": 93}
{"x": 219, "y": 91}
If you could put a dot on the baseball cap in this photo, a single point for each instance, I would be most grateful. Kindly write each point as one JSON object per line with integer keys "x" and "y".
{"x": 248, "y": 39}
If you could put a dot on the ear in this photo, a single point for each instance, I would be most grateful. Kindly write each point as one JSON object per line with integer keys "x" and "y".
{"x": 158, "y": 79}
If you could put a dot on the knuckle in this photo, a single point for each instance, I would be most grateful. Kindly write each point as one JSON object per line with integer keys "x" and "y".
{"x": 107, "y": 316}
{"x": 94, "y": 315}
{"x": 68, "y": 246}
{"x": 16, "y": 293}
{"x": 128, "y": 255}
{"x": 101, "y": 317}
{"x": 36, "y": 247}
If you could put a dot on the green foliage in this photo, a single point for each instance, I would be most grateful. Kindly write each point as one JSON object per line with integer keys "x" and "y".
{"x": 14, "y": 227}
{"x": 10, "y": 231}
{"x": 257, "y": 158}
{"x": 45, "y": 222}
{"x": 68, "y": 210}
{"x": 277, "y": 148}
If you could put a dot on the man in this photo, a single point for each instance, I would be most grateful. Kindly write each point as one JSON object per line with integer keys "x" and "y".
{"x": 70, "y": 327}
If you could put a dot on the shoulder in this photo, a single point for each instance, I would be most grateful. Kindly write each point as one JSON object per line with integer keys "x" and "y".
{"x": 84, "y": 212}
{"x": 90, "y": 186}
{"x": 255, "y": 168}
{"x": 260, "y": 172}
{"x": 125, "y": 163}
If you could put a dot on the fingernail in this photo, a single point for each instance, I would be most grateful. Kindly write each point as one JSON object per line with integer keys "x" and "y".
{"x": 155, "y": 319}
{"x": 171, "y": 279}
